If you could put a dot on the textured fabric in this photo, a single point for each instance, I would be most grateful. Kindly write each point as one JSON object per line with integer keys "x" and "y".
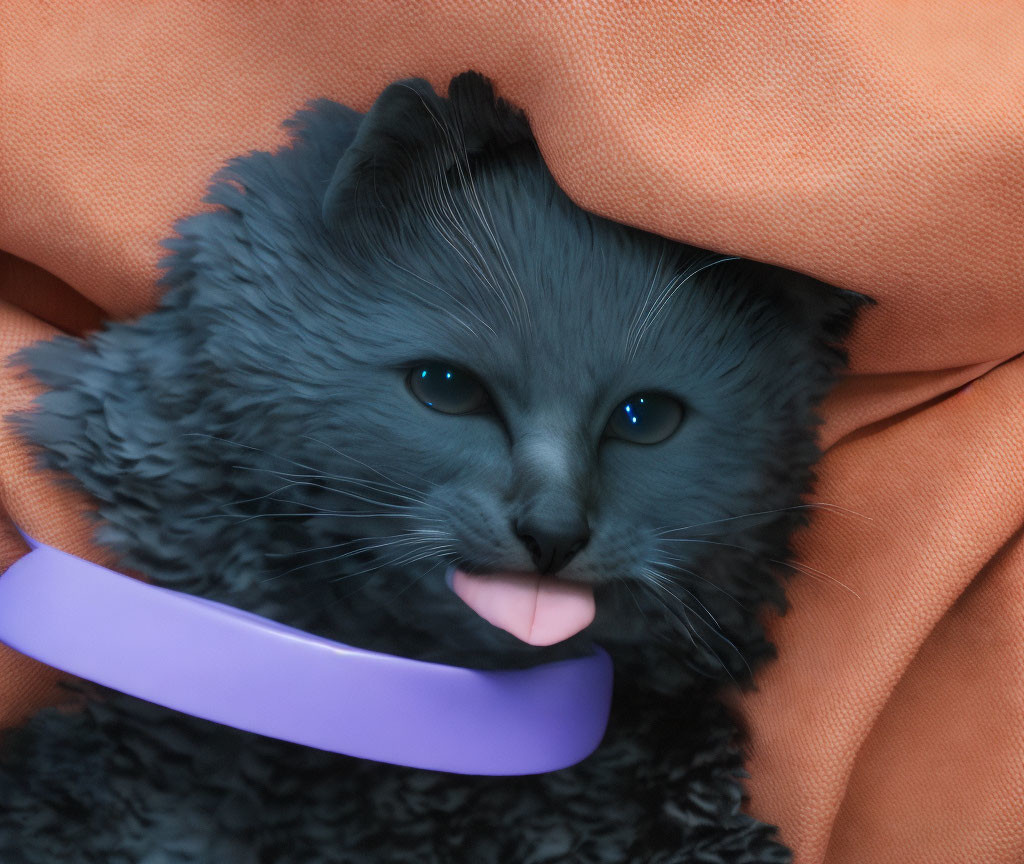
{"x": 877, "y": 146}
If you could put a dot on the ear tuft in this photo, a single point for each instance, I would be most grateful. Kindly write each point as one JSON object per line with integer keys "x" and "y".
{"x": 487, "y": 124}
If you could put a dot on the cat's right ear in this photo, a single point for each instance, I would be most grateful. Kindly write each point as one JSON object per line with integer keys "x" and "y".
{"x": 394, "y": 137}
{"x": 412, "y": 137}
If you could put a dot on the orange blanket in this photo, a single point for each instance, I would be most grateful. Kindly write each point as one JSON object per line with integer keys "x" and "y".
{"x": 879, "y": 146}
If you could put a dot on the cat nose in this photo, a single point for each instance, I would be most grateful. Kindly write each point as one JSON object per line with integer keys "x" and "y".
{"x": 552, "y": 543}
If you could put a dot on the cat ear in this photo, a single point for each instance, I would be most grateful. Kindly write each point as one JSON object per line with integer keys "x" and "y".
{"x": 411, "y": 133}
{"x": 826, "y": 309}
{"x": 816, "y": 307}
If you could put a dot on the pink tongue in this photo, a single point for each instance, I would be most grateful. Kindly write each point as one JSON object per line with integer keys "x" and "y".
{"x": 539, "y": 610}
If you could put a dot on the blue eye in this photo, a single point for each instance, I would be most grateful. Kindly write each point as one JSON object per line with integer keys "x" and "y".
{"x": 645, "y": 418}
{"x": 447, "y": 389}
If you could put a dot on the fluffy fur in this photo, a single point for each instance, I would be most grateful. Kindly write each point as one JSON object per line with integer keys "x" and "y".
{"x": 254, "y": 440}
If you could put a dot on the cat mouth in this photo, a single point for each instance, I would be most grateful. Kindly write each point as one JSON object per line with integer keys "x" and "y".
{"x": 539, "y": 610}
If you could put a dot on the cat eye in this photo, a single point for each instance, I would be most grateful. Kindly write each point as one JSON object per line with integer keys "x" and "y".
{"x": 645, "y": 418}
{"x": 447, "y": 389}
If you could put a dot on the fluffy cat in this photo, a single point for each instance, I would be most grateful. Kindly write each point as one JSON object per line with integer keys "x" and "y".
{"x": 394, "y": 347}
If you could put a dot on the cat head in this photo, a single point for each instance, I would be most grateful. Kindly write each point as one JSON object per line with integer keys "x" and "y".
{"x": 397, "y": 345}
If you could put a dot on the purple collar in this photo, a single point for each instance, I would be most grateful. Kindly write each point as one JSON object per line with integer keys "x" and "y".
{"x": 230, "y": 666}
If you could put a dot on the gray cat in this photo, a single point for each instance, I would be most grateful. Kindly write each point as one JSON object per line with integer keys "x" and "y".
{"x": 396, "y": 349}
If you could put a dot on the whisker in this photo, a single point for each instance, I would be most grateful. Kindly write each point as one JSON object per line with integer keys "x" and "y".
{"x": 374, "y": 485}
{"x": 385, "y": 565}
{"x": 698, "y": 540}
{"x": 349, "y": 554}
{"x": 374, "y": 470}
{"x": 636, "y": 602}
{"x": 316, "y": 471}
{"x": 703, "y": 579}
{"x": 404, "y": 507}
{"x": 794, "y": 566}
{"x": 422, "y": 575}
{"x": 683, "y": 618}
{"x": 812, "y": 505}
{"x": 347, "y": 514}
{"x": 447, "y": 293}
{"x": 431, "y": 531}
{"x": 816, "y": 574}
{"x": 257, "y": 498}
{"x": 687, "y": 627}
{"x": 666, "y": 579}
{"x": 637, "y": 313}
{"x": 663, "y": 299}
{"x": 472, "y": 197}
{"x": 714, "y": 629}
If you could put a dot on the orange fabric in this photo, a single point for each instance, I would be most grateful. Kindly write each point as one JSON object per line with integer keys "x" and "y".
{"x": 879, "y": 146}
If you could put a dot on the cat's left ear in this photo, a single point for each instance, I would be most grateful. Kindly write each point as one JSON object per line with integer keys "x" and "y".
{"x": 815, "y": 306}
{"x": 411, "y": 135}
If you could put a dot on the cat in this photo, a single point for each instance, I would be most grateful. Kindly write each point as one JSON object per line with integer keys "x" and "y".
{"x": 396, "y": 350}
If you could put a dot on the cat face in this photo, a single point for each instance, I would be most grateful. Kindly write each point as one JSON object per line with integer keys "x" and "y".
{"x": 400, "y": 347}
